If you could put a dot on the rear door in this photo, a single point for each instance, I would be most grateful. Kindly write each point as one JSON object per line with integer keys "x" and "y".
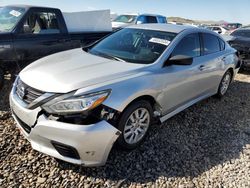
{"x": 42, "y": 32}
{"x": 212, "y": 62}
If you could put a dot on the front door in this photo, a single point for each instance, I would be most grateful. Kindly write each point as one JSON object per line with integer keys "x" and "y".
{"x": 182, "y": 83}
{"x": 40, "y": 35}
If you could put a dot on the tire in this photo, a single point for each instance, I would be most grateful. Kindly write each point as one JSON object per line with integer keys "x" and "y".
{"x": 224, "y": 84}
{"x": 138, "y": 128}
{"x": 1, "y": 78}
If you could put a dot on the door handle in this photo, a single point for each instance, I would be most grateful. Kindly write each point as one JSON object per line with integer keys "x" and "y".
{"x": 223, "y": 59}
{"x": 63, "y": 40}
{"x": 202, "y": 67}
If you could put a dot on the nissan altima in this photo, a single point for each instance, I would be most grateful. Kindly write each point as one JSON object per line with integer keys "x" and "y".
{"x": 75, "y": 105}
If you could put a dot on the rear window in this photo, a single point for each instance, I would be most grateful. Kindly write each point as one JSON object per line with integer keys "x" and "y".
{"x": 151, "y": 19}
{"x": 211, "y": 43}
{"x": 162, "y": 20}
{"x": 222, "y": 44}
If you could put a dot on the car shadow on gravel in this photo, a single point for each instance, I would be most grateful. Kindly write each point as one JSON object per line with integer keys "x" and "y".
{"x": 194, "y": 141}
{"x": 245, "y": 72}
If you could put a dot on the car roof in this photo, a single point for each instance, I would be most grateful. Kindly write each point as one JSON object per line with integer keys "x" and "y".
{"x": 157, "y": 15}
{"x": 165, "y": 27}
{"x": 28, "y": 6}
{"x": 144, "y": 14}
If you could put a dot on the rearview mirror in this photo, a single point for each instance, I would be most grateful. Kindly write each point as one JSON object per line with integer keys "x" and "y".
{"x": 180, "y": 60}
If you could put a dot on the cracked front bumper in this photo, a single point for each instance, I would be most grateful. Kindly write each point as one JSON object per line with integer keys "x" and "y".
{"x": 91, "y": 143}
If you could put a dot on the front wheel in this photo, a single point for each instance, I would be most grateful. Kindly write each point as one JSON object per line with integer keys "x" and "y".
{"x": 224, "y": 84}
{"x": 134, "y": 124}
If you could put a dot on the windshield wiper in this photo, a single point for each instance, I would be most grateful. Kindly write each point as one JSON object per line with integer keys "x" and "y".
{"x": 109, "y": 56}
{"x": 115, "y": 58}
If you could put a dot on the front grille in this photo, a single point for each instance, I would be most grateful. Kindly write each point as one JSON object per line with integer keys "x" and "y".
{"x": 27, "y": 93}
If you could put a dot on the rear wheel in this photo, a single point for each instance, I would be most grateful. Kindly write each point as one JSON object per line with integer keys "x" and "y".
{"x": 134, "y": 124}
{"x": 224, "y": 84}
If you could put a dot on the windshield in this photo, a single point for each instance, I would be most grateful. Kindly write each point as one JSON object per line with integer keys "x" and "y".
{"x": 125, "y": 18}
{"x": 241, "y": 33}
{"x": 9, "y": 16}
{"x": 134, "y": 45}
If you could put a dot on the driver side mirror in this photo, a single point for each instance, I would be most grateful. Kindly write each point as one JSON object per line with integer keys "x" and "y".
{"x": 27, "y": 29}
{"x": 179, "y": 60}
{"x": 139, "y": 22}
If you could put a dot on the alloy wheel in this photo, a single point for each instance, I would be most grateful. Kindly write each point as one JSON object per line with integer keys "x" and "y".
{"x": 136, "y": 126}
{"x": 225, "y": 83}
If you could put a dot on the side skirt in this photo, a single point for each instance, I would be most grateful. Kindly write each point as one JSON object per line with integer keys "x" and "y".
{"x": 181, "y": 108}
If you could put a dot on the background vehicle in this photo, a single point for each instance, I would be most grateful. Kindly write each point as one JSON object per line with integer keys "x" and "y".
{"x": 241, "y": 41}
{"x": 28, "y": 33}
{"x": 233, "y": 26}
{"x": 131, "y": 19}
{"x": 155, "y": 68}
{"x": 218, "y": 29}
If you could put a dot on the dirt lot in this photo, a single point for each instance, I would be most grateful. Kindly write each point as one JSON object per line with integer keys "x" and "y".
{"x": 207, "y": 145}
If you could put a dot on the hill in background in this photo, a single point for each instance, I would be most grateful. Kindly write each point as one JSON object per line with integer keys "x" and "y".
{"x": 189, "y": 21}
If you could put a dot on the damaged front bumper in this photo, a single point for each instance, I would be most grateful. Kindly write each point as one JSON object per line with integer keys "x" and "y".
{"x": 87, "y": 145}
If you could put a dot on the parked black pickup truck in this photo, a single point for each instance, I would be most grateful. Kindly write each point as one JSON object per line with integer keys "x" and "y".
{"x": 28, "y": 33}
{"x": 240, "y": 40}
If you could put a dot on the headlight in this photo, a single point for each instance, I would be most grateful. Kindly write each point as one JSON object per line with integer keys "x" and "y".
{"x": 77, "y": 104}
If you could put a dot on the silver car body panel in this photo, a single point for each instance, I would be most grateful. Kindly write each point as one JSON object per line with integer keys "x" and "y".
{"x": 75, "y": 72}
{"x": 86, "y": 70}
{"x": 93, "y": 142}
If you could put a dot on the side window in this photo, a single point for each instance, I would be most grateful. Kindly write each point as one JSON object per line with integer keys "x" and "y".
{"x": 222, "y": 44}
{"x": 188, "y": 46}
{"x": 151, "y": 19}
{"x": 211, "y": 43}
{"x": 162, "y": 19}
{"x": 141, "y": 19}
{"x": 217, "y": 29}
{"x": 41, "y": 23}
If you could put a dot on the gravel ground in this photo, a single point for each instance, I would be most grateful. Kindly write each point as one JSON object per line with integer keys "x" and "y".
{"x": 207, "y": 145}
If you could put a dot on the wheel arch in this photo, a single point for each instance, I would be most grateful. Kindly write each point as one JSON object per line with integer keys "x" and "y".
{"x": 148, "y": 98}
{"x": 154, "y": 104}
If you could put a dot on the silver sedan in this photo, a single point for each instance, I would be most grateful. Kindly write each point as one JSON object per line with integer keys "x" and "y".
{"x": 75, "y": 105}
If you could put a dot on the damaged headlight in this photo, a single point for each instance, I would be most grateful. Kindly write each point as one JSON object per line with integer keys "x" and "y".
{"x": 77, "y": 104}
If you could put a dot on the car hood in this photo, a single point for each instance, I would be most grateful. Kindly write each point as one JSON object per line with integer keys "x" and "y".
{"x": 71, "y": 70}
{"x": 242, "y": 42}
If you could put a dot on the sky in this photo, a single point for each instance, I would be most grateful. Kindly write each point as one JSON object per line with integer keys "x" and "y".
{"x": 216, "y": 10}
